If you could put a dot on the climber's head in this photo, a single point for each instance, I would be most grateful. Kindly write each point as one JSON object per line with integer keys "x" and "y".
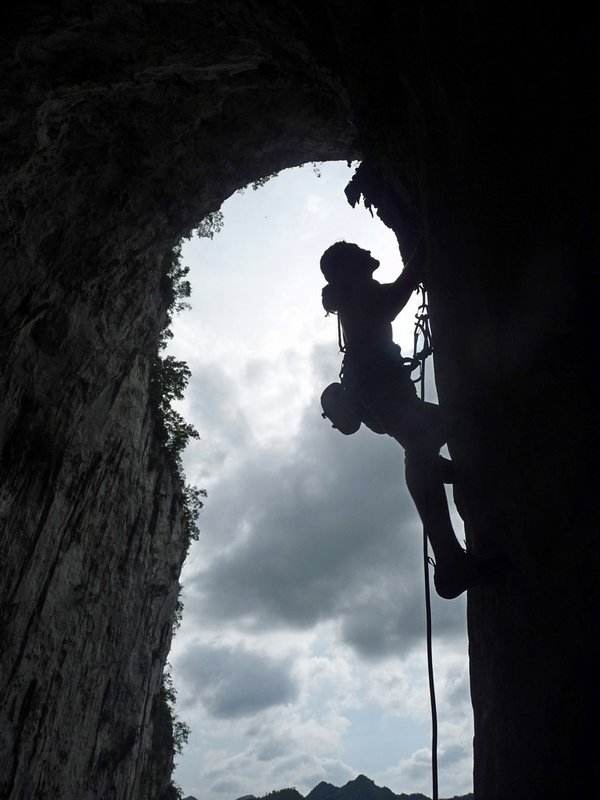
{"x": 346, "y": 260}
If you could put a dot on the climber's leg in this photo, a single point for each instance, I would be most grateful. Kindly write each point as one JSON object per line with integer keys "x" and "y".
{"x": 418, "y": 427}
{"x": 425, "y": 483}
{"x": 455, "y": 570}
{"x": 447, "y": 469}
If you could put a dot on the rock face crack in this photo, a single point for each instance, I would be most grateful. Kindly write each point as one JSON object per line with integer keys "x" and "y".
{"x": 26, "y": 707}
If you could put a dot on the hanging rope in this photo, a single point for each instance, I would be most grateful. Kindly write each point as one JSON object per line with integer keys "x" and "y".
{"x": 423, "y": 331}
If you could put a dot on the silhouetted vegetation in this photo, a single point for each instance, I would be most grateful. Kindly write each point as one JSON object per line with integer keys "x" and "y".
{"x": 169, "y": 734}
{"x": 211, "y": 224}
{"x": 168, "y": 380}
{"x": 290, "y": 793}
{"x": 361, "y": 788}
{"x": 260, "y": 182}
{"x": 170, "y": 376}
{"x": 181, "y": 730}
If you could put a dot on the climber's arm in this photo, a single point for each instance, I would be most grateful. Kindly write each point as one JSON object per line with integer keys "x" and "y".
{"x": 397, "y": 294}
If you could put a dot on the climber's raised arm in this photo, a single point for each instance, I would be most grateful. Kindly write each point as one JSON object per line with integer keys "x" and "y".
{"x": 397, "y": 294}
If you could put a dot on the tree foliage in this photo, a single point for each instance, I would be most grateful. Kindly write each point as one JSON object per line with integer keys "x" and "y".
{"x": 169, "y": 378}
{"x": 289, "y": 793}
{"x": 168, "y": 381}
{"x": 211, "y": 224}
{"x": 181, "y": 730}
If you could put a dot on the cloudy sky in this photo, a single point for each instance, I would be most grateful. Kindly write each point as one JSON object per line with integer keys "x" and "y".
{"x": 301, "y": 656}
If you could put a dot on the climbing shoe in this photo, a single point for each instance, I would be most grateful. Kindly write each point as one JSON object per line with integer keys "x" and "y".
{"x": 467, "y": 571}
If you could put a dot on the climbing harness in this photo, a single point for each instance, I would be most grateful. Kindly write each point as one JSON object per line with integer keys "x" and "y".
{"x": 423, "y": 331}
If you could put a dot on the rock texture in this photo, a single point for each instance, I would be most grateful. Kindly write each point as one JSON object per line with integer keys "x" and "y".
{"x": 123, "y": 125}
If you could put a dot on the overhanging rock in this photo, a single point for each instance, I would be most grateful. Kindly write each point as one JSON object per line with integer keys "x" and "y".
{"x": 124, "y": 125}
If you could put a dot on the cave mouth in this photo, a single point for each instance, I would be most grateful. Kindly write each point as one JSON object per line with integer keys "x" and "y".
{"x": 256, "y": 284}
{"x": 125, "y": 125}
{"x": 253, "y": 396}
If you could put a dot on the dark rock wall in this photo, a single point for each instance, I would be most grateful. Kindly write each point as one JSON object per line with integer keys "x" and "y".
{"x": 498, "y": 139}
{"x": 123, "y": 124}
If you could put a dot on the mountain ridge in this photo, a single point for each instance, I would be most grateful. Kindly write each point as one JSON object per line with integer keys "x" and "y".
{"x": 360, "y": 788}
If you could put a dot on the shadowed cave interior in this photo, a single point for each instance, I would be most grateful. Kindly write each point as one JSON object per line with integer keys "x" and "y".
{"x": 126, "y": 124}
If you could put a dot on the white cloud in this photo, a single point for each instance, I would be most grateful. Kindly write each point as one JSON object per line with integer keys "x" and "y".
{"x": 230, "y": 786}
{"x": 317, "y": 530}
{"x": 233, "y": 682}
{"x": 317, "y": 205}
{"x": 454, "y": 771}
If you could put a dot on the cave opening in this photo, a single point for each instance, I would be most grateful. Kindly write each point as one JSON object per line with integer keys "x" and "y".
{"x": 124, "y": 125}
{"x": 277, "y": 590}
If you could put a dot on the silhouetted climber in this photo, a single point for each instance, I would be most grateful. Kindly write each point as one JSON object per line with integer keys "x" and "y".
{"x": 377, "y": 378}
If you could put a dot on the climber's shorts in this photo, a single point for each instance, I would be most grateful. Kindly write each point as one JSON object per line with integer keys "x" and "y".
{"x": 385, "y": 389}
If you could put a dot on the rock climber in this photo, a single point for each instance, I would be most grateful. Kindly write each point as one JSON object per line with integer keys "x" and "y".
{"x": 376, "y": 374}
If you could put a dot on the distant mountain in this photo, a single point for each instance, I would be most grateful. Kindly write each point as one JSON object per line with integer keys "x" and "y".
{"x": 361, "y": 788}
{"x": 323, "y": 791}
{"x": 284, "y": 794}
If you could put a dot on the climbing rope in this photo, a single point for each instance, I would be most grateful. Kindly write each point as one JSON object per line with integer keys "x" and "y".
{"x": 423, "y": 331}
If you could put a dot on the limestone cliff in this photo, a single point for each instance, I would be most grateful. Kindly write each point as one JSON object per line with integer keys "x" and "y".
{"x": 123, "y": 125}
